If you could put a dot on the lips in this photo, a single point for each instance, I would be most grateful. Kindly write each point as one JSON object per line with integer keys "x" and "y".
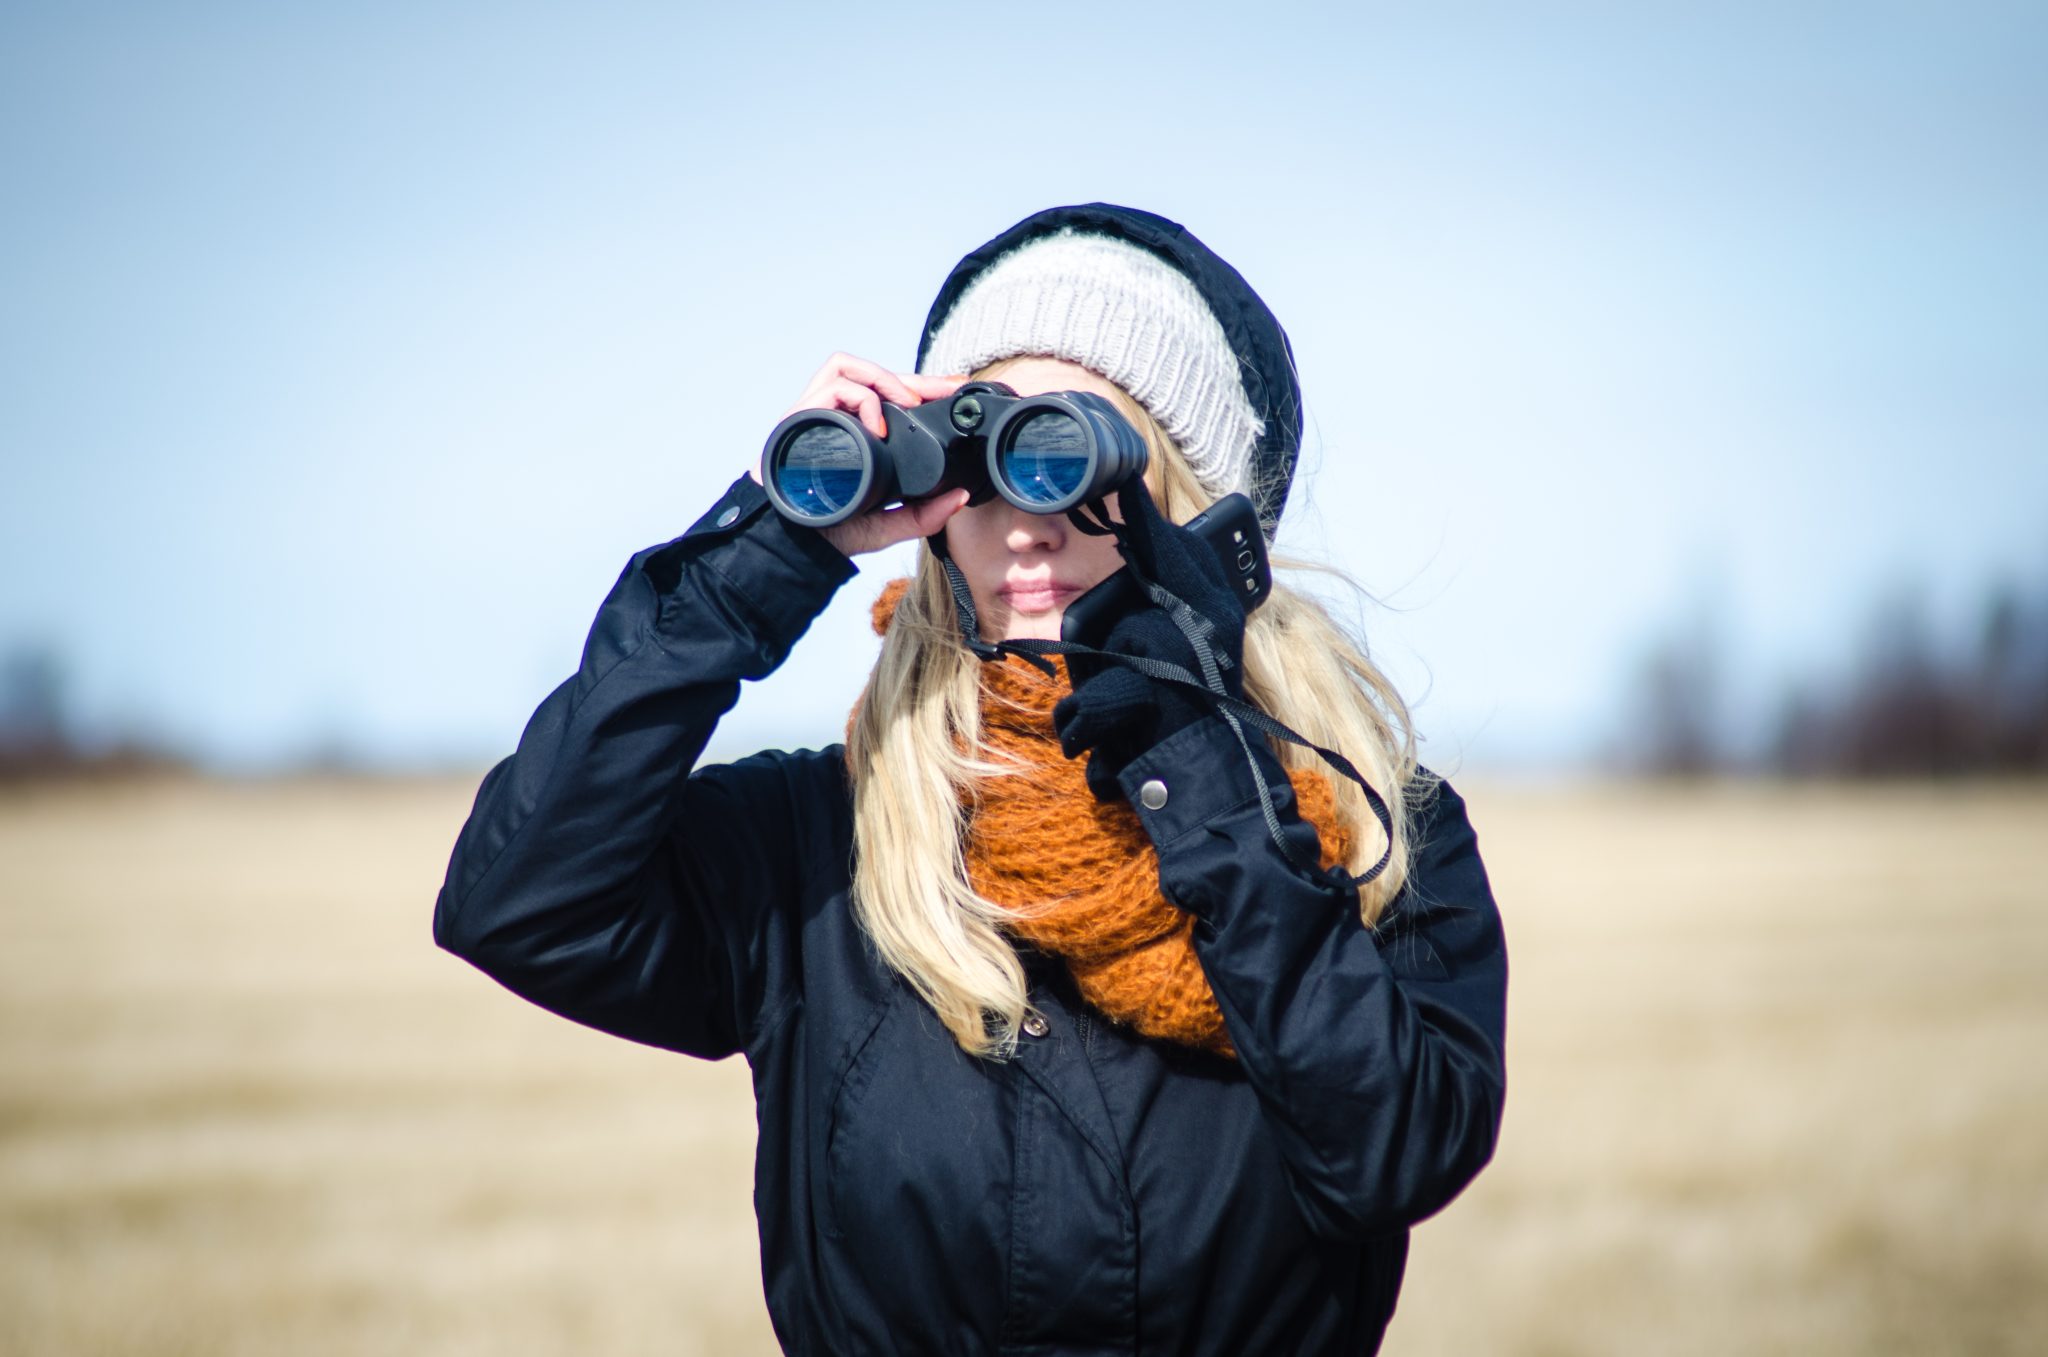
{"x": 1038, "y": 596}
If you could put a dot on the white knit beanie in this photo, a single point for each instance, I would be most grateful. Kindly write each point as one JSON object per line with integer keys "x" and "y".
{"x": 1122, "y": 311}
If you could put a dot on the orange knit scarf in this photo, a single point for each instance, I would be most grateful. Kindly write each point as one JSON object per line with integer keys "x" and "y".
{"x": 1083, "y": 875}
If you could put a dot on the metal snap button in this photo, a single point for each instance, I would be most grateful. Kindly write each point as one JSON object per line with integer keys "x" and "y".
{"x": 1152, "y": 795}
{"x": 1035, "y": 1026}
{"x": 730, "y": 516}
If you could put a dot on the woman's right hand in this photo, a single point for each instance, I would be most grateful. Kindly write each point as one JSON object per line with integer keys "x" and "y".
{"x": 859, "y": 387}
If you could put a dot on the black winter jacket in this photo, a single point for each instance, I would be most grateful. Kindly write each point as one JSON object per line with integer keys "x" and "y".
{"x": 1098, "y": 1193}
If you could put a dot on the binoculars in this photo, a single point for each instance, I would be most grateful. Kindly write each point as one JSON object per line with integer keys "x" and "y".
{"x": 1045, "y": 454}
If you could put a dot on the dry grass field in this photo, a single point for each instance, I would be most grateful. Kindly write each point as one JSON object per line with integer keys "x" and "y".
{"x": 1778, "y": 1085}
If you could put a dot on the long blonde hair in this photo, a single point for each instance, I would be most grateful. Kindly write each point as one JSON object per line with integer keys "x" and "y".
{"x": 914, "y": 748}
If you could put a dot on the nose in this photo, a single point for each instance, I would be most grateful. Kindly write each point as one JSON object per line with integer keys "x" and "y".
{"x": 1028, "y": 531}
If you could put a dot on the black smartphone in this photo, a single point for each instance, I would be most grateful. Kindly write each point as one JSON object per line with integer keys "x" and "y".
{"x": 1231, "y": 528}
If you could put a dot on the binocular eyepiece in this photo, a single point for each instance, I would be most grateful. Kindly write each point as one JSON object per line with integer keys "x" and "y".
{"x": 1045, "y": 454}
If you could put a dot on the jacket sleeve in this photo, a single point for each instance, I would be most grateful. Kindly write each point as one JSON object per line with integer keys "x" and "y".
{"x": 596, "y": 875}
{"x": 1377, "y": 1055}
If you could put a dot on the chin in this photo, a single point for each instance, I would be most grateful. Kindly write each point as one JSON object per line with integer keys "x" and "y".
{"x": 1034, "y": 626}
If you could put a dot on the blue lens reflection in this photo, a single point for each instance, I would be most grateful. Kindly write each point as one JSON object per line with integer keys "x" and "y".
{"x": 820, "y": 470}
{"x": 1046, "y": 459}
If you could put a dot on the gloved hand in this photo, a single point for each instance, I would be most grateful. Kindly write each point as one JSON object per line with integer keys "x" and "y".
{"x": 1114, "y": 713}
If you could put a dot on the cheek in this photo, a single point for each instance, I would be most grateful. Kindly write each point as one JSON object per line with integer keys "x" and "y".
{"x": 1101, "y": 558}
{"x": 974, "y": 539}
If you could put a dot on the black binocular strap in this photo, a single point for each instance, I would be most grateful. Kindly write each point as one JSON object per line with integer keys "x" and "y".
{"x": 1237, "y": 714}
{"x": 1092, "y": 518}
{"x": 963, "y": 600}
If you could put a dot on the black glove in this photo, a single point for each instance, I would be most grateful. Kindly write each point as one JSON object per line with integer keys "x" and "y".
{"x": 1118, "y": 713}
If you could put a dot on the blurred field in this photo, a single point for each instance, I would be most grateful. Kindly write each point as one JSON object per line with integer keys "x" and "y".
{"x": 1777, "y": 1070}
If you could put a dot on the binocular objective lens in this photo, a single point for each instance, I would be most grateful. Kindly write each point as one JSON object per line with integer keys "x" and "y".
{"x": 820, "y": 469}
{"x": 1046, "y": 459}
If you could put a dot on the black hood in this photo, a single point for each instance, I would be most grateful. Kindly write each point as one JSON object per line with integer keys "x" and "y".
{"x": 1265, "y": 359}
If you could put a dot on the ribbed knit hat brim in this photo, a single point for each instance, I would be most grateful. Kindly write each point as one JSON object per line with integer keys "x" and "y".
{"x": 1121, "y": 311}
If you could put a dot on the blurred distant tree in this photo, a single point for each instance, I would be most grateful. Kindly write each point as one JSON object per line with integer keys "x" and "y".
{"x": 2010, "y": 687}
{"x": 1678, "y": 730}
{"x": 1906, "y": 715}
{"x": 1804, "y": 743}
{"x": 1906, "y": 711}
{"x": 38, "y": 738}
{"x": 31, "y": 703}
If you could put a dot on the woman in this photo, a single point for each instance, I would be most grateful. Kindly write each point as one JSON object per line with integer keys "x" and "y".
{"x": 1058, "y": 1044}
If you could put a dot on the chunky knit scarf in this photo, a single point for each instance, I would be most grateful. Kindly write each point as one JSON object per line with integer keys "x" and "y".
{"x": 1083, "y": 876}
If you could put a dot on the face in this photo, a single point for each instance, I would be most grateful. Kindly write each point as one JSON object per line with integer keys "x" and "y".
{"x": 1024, "y": 569}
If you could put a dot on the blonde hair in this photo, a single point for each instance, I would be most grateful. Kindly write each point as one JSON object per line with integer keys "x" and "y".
{"x": 914, "y": 751}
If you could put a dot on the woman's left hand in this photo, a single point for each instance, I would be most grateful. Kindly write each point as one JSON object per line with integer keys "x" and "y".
{"x": 1115, "y": 713}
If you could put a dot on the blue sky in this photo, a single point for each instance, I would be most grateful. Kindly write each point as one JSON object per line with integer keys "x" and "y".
{"x": 348, "y": 353}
